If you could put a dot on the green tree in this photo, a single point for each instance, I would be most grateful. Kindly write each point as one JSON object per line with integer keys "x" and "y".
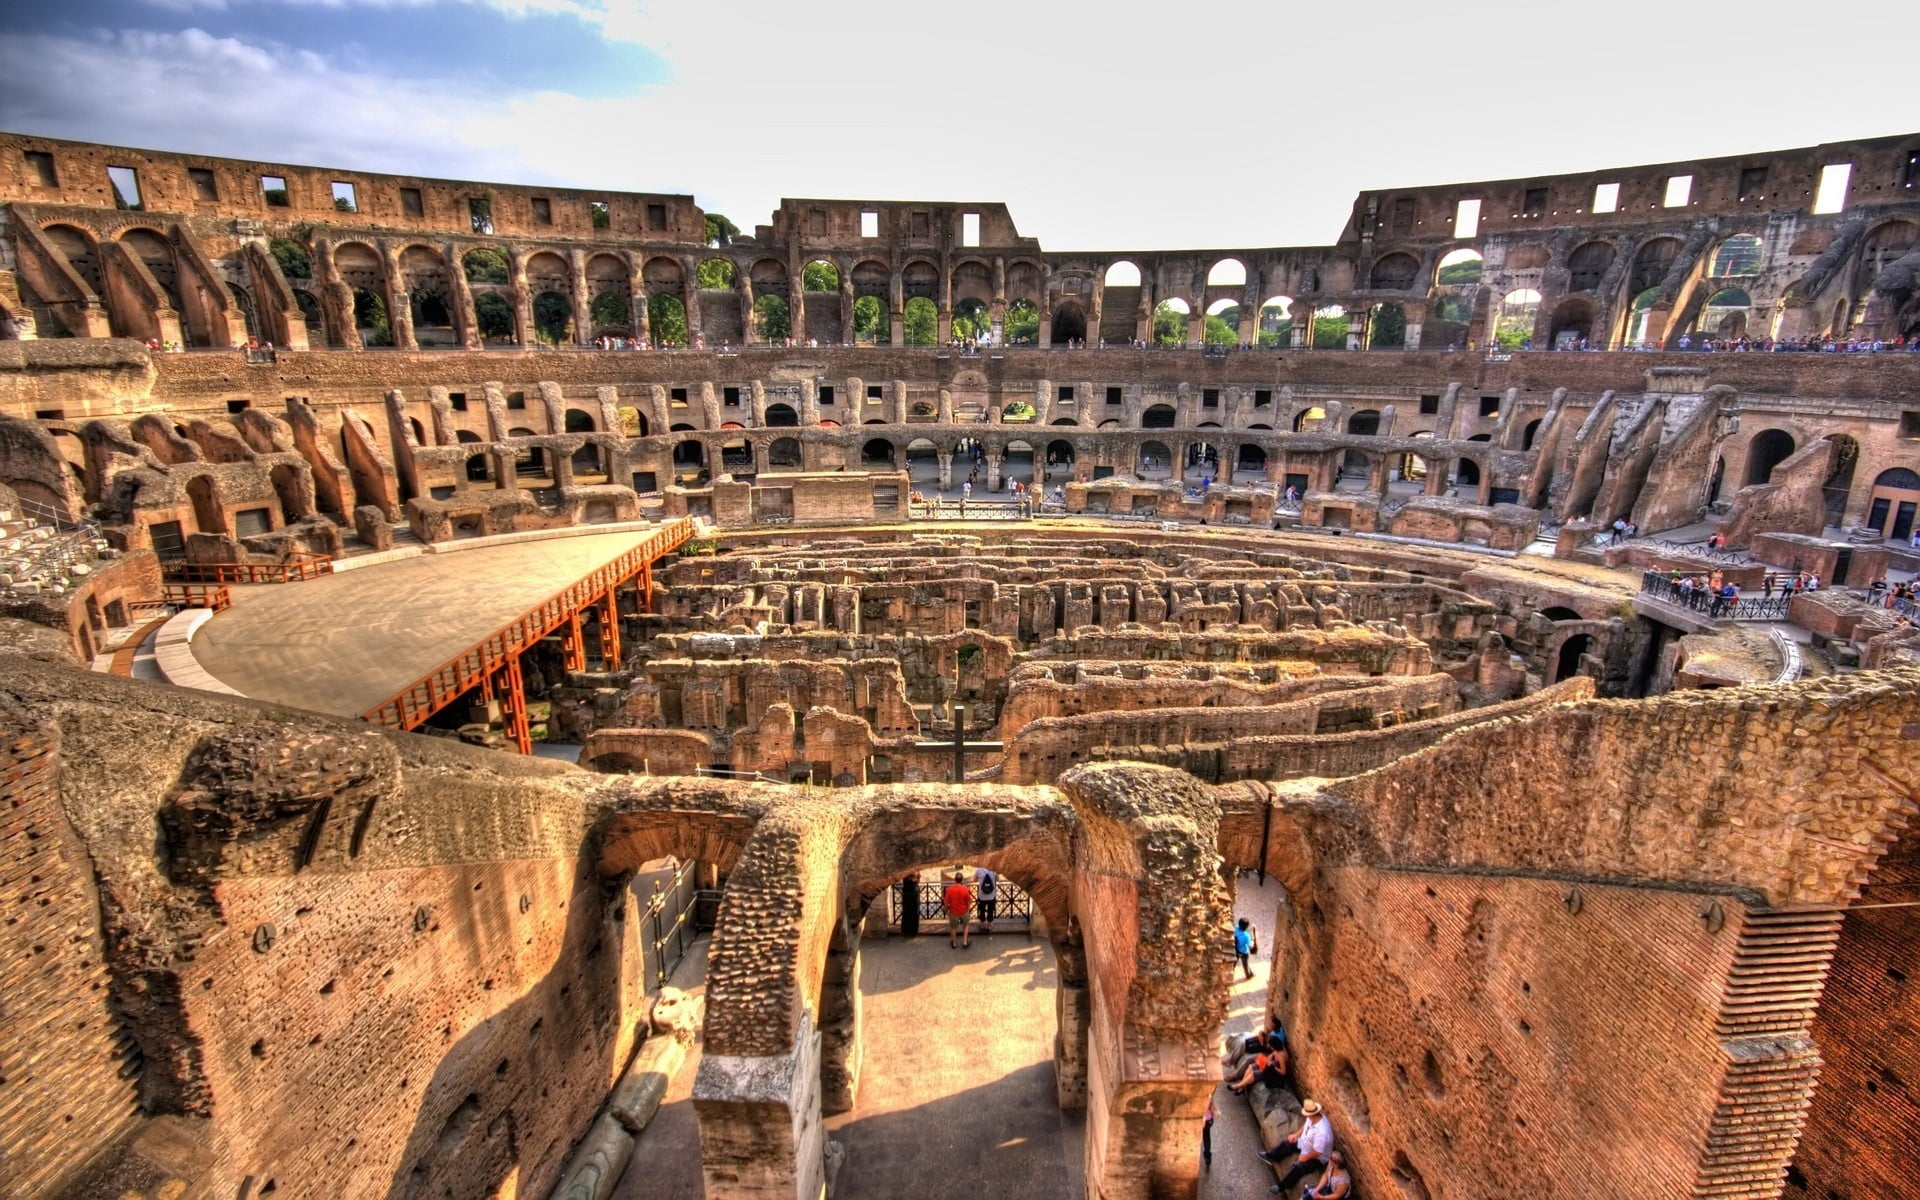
{"x": 1169, "y": 325}
{"x": 870, "y": 321}
{"x": 971, "y": 320}
{"x": 1388, "y": 329}
{"x": 1221, "y": 333}
{"x": 1329, "y": 333}
{"x": 667, "y": 319}
{"x": 771, "y": 319}
{"x": 342, "y": 204}
{"x": 370, "y": 318}
{"x": 610, "y": 308}
{"x": 922, "y": 322}
{"x": 715, "y": 273}
{"x": 295, "y": 262}
{"x": 720, "y": 231}
{"x": 552, "y": 317}
{"x": 1022, "y": 324}
{"x": 494, "y": 316}
{"x": 601, "y": 215}
{"x": 819, "y": 276}
{"x": 485, "y": 265}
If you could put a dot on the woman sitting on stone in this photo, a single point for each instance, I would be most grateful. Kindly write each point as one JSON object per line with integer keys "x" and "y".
{"x": 1269, "y": 1068}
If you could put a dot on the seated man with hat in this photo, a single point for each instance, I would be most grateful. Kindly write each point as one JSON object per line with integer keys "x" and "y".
{"x": 1308, "y": 1149}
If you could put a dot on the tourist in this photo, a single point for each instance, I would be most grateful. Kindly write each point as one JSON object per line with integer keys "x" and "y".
{"x": 1268, "y": 1068}
{"x": 1813, "y": 581}
{"x": 958, "y": 901}
{"x": 1206, "y": 1121}
{"x": 1619, "y": 529}
{"x": 1336, "y": 1184}
{"x": 1243, "y": 945}
{"x": 988, "y": 885}
{"x": 1309, "y": 1148}
{"x": 966, "y": 490}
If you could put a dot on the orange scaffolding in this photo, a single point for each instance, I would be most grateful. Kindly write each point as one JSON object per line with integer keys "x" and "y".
{"x": 296, "y": 568}
{"x": 493, "y": 664}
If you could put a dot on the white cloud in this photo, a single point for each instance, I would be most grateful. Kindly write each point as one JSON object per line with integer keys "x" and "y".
{"x": 1241, "y": 124}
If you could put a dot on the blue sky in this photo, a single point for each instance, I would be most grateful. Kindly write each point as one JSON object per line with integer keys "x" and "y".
{"x": 1105, "y": 125}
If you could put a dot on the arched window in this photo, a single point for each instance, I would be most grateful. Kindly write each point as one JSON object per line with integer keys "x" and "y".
{"x": 1459, "y": 268}
{"x": 1740, "y": 254}
{"x": 1587, "y": 266}
{"x": 1395, "y": 272}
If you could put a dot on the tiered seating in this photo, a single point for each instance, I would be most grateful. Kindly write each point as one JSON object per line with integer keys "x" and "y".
{"x": 38, "y": 559}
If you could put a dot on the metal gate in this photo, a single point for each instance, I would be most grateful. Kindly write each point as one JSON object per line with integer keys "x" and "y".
{"x": 1011, "y": 903}
{"x": 667, "y": 924}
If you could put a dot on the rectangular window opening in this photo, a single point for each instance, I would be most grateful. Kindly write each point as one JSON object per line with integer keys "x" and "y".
{"x": 730, "y": 397}
{"x": 1403, "y": 214}
{"x": 1113, "y": 395}
{"x": 1489, "y": 406}
{"x": 411, "y": 202}
{"x": 1679, "y": 191}
{"x": 1606, "y": 198}
{"x": 50, "y": 414}
{"x": 1066, "y": 392}
{"x": 876, "y": 391}
{"x": 1535, "y": 204}
{"x": 656, "y": 216}
{"x": 204, "y": 187}
{"x": 343, "y": 198}
{"x": 458, "y": 400}
{"x": 1262, "y": 398}
{"x": 1466, "y": 219}
{"x": 273, "y": 189}
{"x": 602, "y": 214}
{"x": 823, "y": 395}
{"x": 678, "y": 395}
{"x": 922, "y": 225}
{"x": 40, "y": 166}
{"x": 516, "y": 400}
{"x": 1753, "y": 183}
{"x": 542, "y": 211}
{"x": 480, "y": 213}
{"x": 1832, "y": 194}
{"x": 869, "y": 224}
{"x": 817, "y": 222}
{"x": 969, "y": 229}
{"x": 237, "y": 406}
{"x": 126, "y": 187}
{"x": 1429, "y": 405}
{"x": 1209, "y": 397}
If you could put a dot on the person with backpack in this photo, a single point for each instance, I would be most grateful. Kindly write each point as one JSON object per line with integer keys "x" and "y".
{"x": 986, "y": 884}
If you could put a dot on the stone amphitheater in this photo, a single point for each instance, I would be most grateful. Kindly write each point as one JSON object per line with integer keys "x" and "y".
{"x": 310, "y": 518}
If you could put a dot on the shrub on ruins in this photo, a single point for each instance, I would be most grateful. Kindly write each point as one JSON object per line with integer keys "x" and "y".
{"x": 295, "y": 262}
{"x": 494, "y": 315}
{"x": 610, "y": 308}
{"x": 1018, "y": 410}
{"x": 667, "y": 318}
{"x": 485, "y": 265}
{"x": 720, "y": 231}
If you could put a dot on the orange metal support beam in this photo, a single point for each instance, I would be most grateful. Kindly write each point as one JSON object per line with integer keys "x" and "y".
{"x": 514, "y": 705}
{"x": 610, "y": 630}
{"x": 573, "y": 643}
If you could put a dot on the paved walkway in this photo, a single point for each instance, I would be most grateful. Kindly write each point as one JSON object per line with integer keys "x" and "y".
{"x": 343, "y": 643}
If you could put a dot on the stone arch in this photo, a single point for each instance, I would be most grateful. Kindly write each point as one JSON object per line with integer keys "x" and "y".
{"x": 209, "y": 514}
{"x": 1651, "y": 262}
{"x": 293, "y": 487}
{"x": 1587, "y": 265}
{"x": 920, "y": 277}
{"x": 1740, "y": 255}
{"x": 1394, "y": 272}
{"x": 81, "y": 251}
{"x": 1158, "y": 416}
{"x": 784, "y": 452}
{"x": 1069, "y": 323}
{"x": 663, "y": 276}
{"x": 1572, "y": 322}
{"x": 877, "y": 452}
{"x": 429, "y": 287}
{"x": 1022, "y": 324}
{"x": 1227, "y": 272}
{"x": 1251, "y": 457}
{"x": 1275, "y": 324}
{"x": 781, "y": 415}
{"x": 1386, "y": 327}
{"x": 1122, "y": 274}
{"x": 921, "y": 318}
{"x": 971, "y": 279}
{"x": 1459, "y": 268}
{"x": 1766, "y": 450}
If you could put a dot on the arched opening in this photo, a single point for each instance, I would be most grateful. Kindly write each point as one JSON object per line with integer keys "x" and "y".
{"x": 667, "y": 320}
{"x": 1638, "y": 314}
{"x": 1651, "y": 263}
{"x": 1122, "y": 274}
{"x": 243, "y": 304}
{"x": 971, "y": 322}
{"x": 1069, "y": 323}
{"x": 1572, "y": 323}
{"x": 1228, "y": 272}
{"x": 1741, "y": 254}
{"x": 772, "y": 320}
{"x": 1395, "y": 273}
{"x": 1529, "y": 433}
{"x": 690, "y": 463}
{"x": 1022, "y": 324}
{"x": 289, "y": 490}
{"x": 612, "y": 316}
{"x": 715, "y": 274}
{"x": 1894, "y": 500}
{"x": 311, "y": 316}
{"x": 1158, "y": 416}
{"x": 1449, "y": 323}
{"x": 782, "y": 416}
{"x": 1387, "y": 327}
{"x": 486, "y": 265}
{"x": 1366, "y": 422}
{"x": 1567, "y": 662}
{"x": 921, "y": 321}
{"x": 1276, "y": 321}
{"x": 1155, "y": 461}
{"x": 1838, "y": 485}
{"x": 1718, "y": 477}
{"x": 1222, "y": 326}
{"x": 553, "y": 318}
{"x": 1170, "y": 322}
{"x": 1204, "y": 456}
{"x": 370, "y": 318}
{"x": 1768, "y": 449}
{"x": 494, "y": 318}
{"x": 1330, "y": 327}
{"x": 479, "y": 469}
{"x": 1016, "y": 465}
{"x": 820, "y": 276}
{"x": 208, "y": 514}
{"x": 1309, "y": 419}
{"x": 1560, "y": 612}
{"x": 1466, "y": 472}
{"x": 1459, "y": 268}
{"x": 870, "y": 321}
{"x": 923, "y": 464}
{"x": 1250, "y": 458}
{"x": 579, "y": 421}
{"x": 877, "y": 453}
{"x": 1059, "y": 454}
{"x": 1513, "y": 328}
{"x": 1587, "y": 266}
{"x": 1724, "y": 315}
{"x": 784, "y": 452}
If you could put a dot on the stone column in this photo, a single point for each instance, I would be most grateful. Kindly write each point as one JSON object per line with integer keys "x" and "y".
{"x": 946, "y": 468}
{"x": 1357, "y": 319}
{"x": 809, "y": 403}
{"x": 522, "y": 297}
{"x": 690, "y": 289}
{"x": 466, "y": 320}
{"x": 399, "y": 302}
{"x": 846, "y": 305}
{"x": 637, "y": 298}
{"x": 993, "y": 472}
{"x": 1046, "y": 306}
{"x": 1249, "y": 331}
{"x": 1143, "y": 321}
{"x": 582, "y": 309}
{"x": 1095, "y": 304}
{"x": 748, "y": 319}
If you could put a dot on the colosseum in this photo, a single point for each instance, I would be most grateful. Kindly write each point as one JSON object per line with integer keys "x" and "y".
{"x": 478, "y": 662}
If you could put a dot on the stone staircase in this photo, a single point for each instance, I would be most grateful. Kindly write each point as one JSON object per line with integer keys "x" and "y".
{"x": 45, "y": 555}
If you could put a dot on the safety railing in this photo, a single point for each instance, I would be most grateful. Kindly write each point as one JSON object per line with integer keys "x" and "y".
{"x": 1711, "y": 604}
{"x": 197, "y": 595}
{"x": 1010, "y": 902}
{"x": 412, "y": 705}
{"x": 300, "y": 566}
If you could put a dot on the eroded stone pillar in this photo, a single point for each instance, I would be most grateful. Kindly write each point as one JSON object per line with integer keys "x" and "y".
{"x": 761, "y": 1137}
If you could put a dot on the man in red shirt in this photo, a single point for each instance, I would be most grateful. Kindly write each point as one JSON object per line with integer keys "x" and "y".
{"x": 958, "y": 901}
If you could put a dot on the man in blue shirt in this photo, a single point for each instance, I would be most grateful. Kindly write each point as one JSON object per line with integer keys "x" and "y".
{"x": 1243, "y": 945}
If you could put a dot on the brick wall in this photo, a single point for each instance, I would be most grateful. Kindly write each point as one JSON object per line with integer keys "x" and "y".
{"x": 65, "y": 1087}
{"x": 1859, "y": 1138}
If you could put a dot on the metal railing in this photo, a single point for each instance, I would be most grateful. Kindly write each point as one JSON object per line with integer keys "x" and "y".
{"x": 668, "y": 927}
{"x": 1010, "y": 902}
{"x": 300, "y": 566}
{"x": 970, "y": 510}
{"x": 412, "y": 705}
{"x": 1711, "y": 604}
